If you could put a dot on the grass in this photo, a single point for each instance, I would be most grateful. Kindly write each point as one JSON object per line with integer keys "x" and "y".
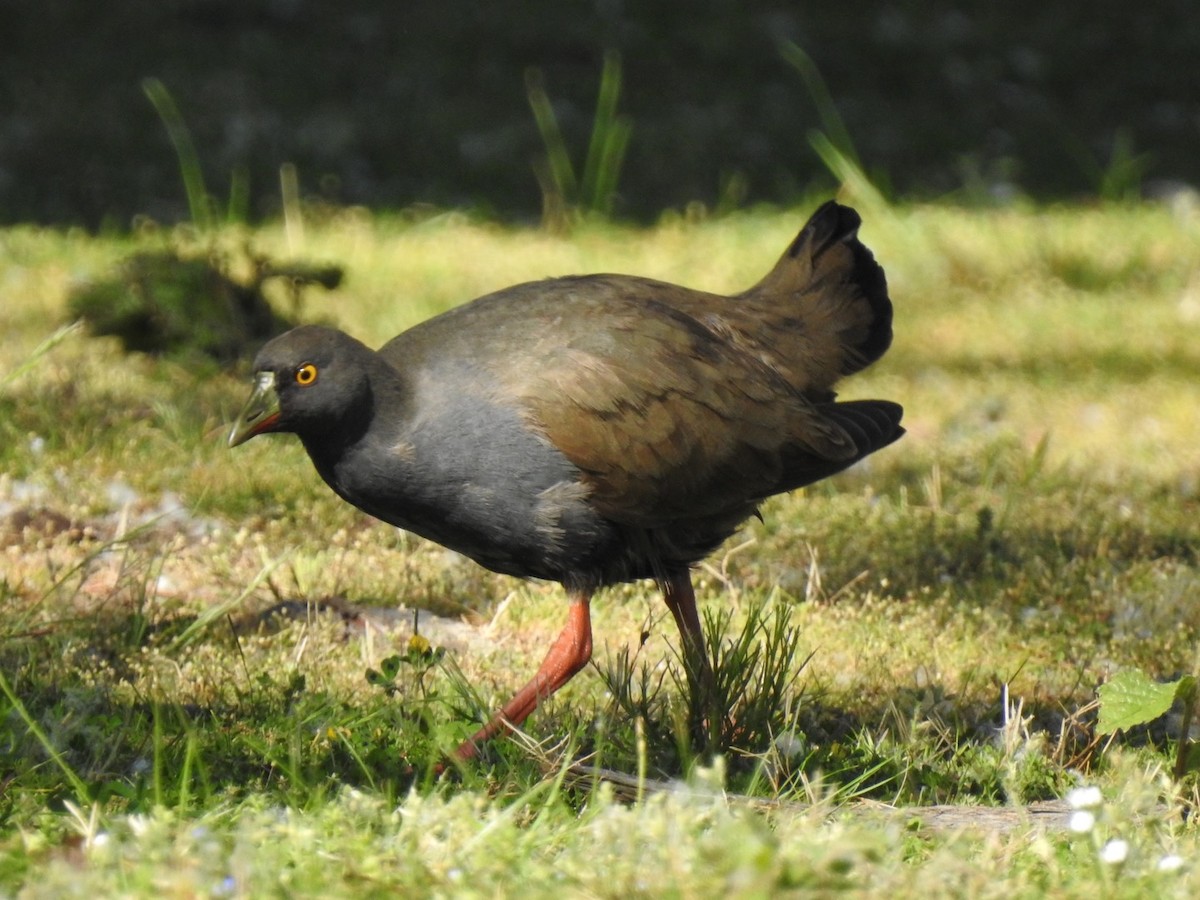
{"x": 927, "y": 629}
{"x": 566, "y": 197}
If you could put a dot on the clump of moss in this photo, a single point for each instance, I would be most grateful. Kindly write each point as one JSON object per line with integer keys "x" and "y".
{"x": 170, "y": 303}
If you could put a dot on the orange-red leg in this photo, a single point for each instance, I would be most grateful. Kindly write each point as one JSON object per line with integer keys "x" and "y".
{"x": 569, "y": 653}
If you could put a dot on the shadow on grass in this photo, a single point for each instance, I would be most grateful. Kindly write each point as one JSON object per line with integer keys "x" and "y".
{"x": 77, "y": 720}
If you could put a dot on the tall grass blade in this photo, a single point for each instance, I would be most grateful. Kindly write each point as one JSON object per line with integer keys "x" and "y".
{"x": 850, "y": 175}
{"x": 1121, "y": 180}
{"x": 293, "y": 214}
{"x": 156, "y": 739}
{"x": 60, "y": 334}
{"x": 185, "y": 774}
{"x": 566, "y": 195}
{"x": 818, "y": 90}
{"x": 833, "y": 143}
{"x": 609, "y": 139}
{"x": 185, "y": 151}
{"x": 238, "y": 211}
{"x": 219, "y": 610}
{"x": 562, "y": 172}
{"x": 82, "y": 793}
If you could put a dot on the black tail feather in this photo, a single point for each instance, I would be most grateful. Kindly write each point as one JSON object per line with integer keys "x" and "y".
{"x": 826, "y": 301}
{"x": 871, "y": 424}
{"x": 834, "y": 224}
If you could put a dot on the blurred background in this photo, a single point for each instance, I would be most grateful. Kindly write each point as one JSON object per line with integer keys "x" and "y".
{"x": 476, "y": 105}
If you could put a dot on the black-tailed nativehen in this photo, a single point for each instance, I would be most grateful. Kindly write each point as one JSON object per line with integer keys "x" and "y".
{"x": 594, "y": 429}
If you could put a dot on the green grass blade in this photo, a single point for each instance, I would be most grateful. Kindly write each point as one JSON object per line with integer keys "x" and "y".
{"x": 818, "y": 90}
{"x": 82, "y": 792}
{"x": 238, "y": 211}
{"x": 850, "y": 175}
{"x": 606, "y": 147}
{"x": 60, "y": 334}
{"x": 561, "y": 170}
{"x": 613, "y": 156}
{"x": 156, "y": 741}
{"x": 185, "y": 151}
{"x": 219, "y": 610}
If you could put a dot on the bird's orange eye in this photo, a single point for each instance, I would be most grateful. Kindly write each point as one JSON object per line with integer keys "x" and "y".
{"x": 306, "y": 375}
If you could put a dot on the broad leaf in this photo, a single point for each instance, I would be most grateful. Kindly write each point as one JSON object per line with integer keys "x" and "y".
{"x": 1130, "y": 698}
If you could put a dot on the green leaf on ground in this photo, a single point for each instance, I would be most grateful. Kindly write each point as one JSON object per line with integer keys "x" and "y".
{"x": 1130, "y": 698}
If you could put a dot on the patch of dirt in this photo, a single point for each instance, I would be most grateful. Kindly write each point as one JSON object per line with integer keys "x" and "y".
{"x": 393, "y": 624}
{"x": 40, "y": 524}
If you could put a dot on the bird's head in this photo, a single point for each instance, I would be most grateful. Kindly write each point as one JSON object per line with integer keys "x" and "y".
{"x": 311, "y": 381}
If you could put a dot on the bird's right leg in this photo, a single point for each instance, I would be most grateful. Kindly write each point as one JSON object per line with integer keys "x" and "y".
{"x": 681, "y": 601}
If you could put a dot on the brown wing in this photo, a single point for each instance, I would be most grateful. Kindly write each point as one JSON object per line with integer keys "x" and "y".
{"x": 678, "y": 404}
{"x": 667, "y": 419}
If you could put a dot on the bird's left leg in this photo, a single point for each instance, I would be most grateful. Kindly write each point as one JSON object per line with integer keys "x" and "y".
{"x": 569, "y": 653}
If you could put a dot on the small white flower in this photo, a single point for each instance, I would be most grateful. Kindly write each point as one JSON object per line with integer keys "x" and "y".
{"x": 1170, "y": 862}
{"x": 1085, "y": 797}
{"x": 139, "y": 824}
{"x": 1081, "y": 821}
{"x": 1115, "y": 851}
{"x": 99, "y": 840}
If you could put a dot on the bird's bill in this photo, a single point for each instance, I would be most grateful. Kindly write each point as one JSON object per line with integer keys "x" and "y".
{"x": 260, "y": 413}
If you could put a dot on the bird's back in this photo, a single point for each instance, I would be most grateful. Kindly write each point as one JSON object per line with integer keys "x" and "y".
{"x": 680, "y": 410}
